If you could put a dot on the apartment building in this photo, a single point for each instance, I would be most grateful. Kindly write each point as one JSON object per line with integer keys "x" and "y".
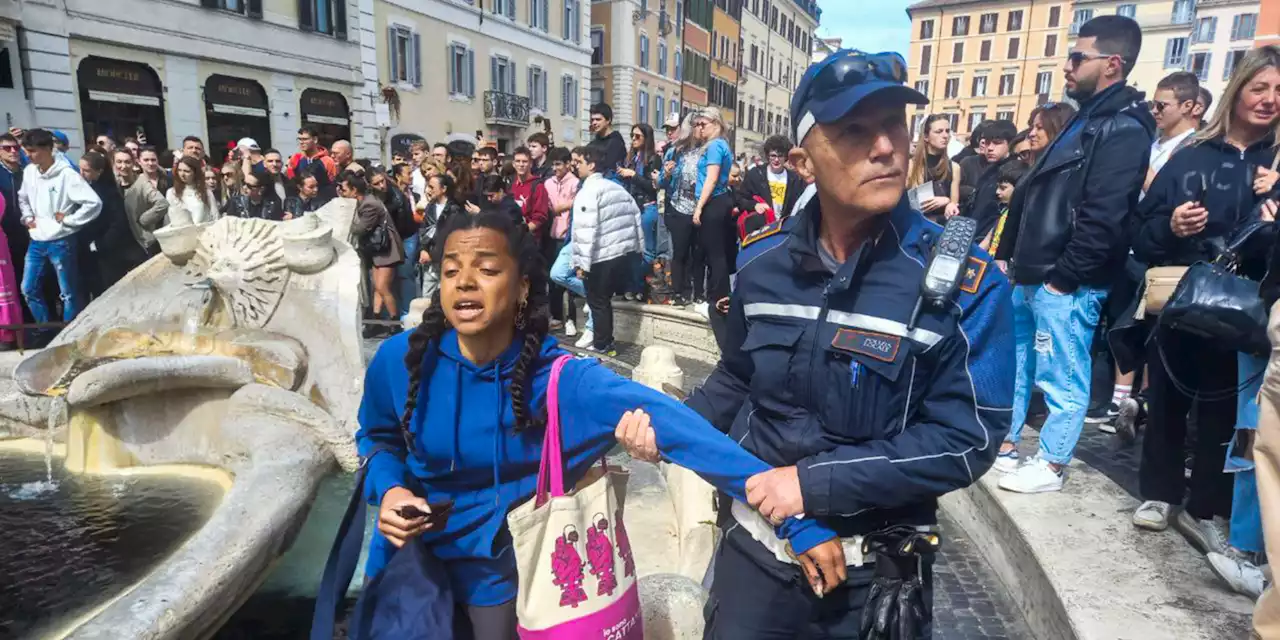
{"x": 1223, "y": 31}
{"x": 695, "y": 25}
{"x": 636, "y": 57}
{"x": 1166, "y": 30}
{"x": 777, "y": 46}
{"x": 1268, "y": 22}
{"x": 989, "y": 59}
{"x": 726, "y": 32}
{"x": 123, "y": 68}
{"x": 498, "y": 69}
{"x": 823, "y": 47}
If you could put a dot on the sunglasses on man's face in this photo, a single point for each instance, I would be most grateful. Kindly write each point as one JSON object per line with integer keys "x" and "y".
{"x": 9, "y": 147}
{"x": 1077, "y": 58}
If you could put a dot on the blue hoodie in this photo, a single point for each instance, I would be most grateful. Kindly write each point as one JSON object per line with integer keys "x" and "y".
{"x": 466, "y": 449}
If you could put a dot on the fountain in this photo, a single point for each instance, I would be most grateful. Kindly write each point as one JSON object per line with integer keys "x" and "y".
{"x": 226, "y": 371}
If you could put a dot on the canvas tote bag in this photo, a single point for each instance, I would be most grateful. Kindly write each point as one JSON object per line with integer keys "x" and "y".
{"x": 577, "y": 575}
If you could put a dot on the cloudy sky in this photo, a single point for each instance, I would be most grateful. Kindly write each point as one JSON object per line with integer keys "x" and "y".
{"x": 884, "y": 29}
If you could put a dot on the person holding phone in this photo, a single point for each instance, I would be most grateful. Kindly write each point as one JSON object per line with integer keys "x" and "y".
{"x": 1205, "y": 193}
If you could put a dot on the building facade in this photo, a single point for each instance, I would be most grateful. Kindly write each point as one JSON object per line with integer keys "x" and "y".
{"x": 695, "y": 71}
{"x": 636, "y": 59}
{"x": 823, "y": 47}
{"x": 1268, "y": 22}
{"x": 1166, "y": 30}
{"x": 726, "y": 31}
{"x": 987, "y": 59}
{"x": 1224, "y": 30}
{"x": 254, "y": 68}
{"x": 499, "y": 70}
{"x": 777, "y": 46}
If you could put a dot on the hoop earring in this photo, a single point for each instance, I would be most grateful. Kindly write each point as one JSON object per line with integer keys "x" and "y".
{"x": 522, "y": 316}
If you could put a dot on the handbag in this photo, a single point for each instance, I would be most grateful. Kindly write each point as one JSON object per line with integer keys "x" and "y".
{"x": 564, "y": 593}
{"x": 1157, "y": 286}
{"x": 408, "y": 600}
{"x": 1212, "y": 302}
{"x": 377, "y": 241}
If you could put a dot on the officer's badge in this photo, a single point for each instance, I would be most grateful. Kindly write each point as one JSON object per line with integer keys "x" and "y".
{"x": 880, "y": 346}
{"x": 973, "y": 272}
{"x": 761, "y": 233}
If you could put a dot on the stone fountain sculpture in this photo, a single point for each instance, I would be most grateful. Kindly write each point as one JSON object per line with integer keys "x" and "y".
{"x": 238, "y": 348}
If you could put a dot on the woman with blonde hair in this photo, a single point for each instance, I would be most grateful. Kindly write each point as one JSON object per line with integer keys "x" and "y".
{"x": 713, "y": 210}
{"x": 680, "y": 181}
{"x": 1210, "y": 192}
{"x": 929, "y": 163}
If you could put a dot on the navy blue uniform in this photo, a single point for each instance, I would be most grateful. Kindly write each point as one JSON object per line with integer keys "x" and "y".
{"x": 879, "y": 420}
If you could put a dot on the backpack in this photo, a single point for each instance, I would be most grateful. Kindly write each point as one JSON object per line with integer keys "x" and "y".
{"x": 751, "y": 220}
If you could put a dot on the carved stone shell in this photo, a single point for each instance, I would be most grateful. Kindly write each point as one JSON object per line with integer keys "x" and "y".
{"x": 244, "y": 258}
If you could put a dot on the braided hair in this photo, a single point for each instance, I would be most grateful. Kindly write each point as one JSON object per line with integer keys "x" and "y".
{"x": 537, "y": 319}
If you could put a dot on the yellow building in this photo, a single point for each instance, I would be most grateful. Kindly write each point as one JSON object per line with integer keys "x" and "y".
{"x": 504, "y": 71}
{"x": 726, "y": 31}
{"x": 636, "y": 59}
{"x": 1166, "y": 27}
{"x": 987, "y": 59}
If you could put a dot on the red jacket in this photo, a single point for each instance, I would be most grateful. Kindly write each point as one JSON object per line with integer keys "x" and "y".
{"x": 532, "y": 197}
{"x": 322, "y": 156}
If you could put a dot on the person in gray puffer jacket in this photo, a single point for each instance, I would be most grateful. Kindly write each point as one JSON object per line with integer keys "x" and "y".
{"x": 606, "y": 235}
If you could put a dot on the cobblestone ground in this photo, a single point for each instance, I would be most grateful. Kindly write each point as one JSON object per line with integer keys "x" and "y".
{"x": 969, "y": 601}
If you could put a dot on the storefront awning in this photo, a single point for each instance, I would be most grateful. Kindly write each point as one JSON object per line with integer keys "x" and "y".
{"x": 235, "y": 96}
{"x": 121, "y": 81}
{"x": 324, "y": 107}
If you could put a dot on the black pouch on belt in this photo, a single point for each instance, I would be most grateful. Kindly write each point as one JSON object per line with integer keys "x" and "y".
{"x": 895, "y": 608}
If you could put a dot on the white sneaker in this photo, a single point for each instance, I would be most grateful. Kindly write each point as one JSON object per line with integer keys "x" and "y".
{"x": 1152, "y": 515}
{"x": 1236, "y": 568}
{"x": 703, "y": 309}
{"x": 570, "y": 329}
{"x": 1006, "y": 461}
{"x": 585, "y": 341}
{"x": 1207, "y": 536}
{"x": 1036, "y": 476}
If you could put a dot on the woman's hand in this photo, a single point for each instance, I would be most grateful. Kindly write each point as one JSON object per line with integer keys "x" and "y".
{"x": 1265, "y": 180}
{"x": 824, "y": 566}
{"x": 626, "y": 173}
{"x": 668, "y": 167}
{"x": 1003, "y": 265}
{"x": 1268, "y": 210}
{"x": 1188, "y": 219}
{"x": 697, "y": 216}
{"x": 934, "y": 203}
{"x": 288, "y": 217}
{"x": 424, "y": 257}
{"x": 952, "y": 210}
{"x": 637, "y": 437}
{"x": 472, "y": 208}
{"x": 397, "y": 529}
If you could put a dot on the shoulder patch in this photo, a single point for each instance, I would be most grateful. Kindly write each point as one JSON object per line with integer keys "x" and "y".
{"x": 762, "y": 233}
{"x": 973, "y": 273}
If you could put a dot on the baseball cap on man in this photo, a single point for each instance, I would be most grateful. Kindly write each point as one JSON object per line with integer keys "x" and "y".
{"x": 60, "y": 137}
{"x": 673, "y": 121}
{"x": 248, "y": 143}
{"x": 832, "y": 88}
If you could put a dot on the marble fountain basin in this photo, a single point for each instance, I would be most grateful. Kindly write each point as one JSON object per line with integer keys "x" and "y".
{"x": 259, "y": 395}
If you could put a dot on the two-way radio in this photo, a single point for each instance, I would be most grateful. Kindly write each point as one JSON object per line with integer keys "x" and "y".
{"x": 947, "y": 266}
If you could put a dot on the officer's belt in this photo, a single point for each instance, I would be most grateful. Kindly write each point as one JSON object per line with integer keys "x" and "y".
{"x": 759, "y": 528}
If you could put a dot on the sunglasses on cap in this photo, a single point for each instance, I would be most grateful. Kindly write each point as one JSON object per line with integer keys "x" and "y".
{"x": 854, "y": 68}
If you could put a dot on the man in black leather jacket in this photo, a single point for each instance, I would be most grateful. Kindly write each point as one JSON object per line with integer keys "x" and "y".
{"x": 259, "y": 199}
{"x": 1066, "y": 239}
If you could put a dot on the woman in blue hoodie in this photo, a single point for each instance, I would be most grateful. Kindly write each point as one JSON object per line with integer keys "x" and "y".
{"x": 461, "y": 401}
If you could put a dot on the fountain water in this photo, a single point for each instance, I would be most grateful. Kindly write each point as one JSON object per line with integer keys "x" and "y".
{"x": 247, "y": 369}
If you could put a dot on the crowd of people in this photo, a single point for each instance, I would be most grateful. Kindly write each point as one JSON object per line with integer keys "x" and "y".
{"x": 1076, "y": 215}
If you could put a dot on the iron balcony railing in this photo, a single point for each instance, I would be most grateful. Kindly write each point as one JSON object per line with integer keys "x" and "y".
{"x": 506, "y": 109}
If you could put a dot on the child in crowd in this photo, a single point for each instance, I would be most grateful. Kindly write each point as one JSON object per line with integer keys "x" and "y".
{"x": 1008, "y": 178}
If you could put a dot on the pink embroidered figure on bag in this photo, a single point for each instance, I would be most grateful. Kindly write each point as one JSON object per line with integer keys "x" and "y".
{"x": 600, "y": 556}
{"x": 566, "y": 565}
{"x": 624, "y": 547}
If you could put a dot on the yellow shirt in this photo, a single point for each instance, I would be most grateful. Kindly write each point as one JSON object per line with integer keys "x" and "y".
{"x": 777, "y": 189}
{"x": 995, "y": 235}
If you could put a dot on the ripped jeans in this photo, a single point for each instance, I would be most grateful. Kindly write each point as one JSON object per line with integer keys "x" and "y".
{"x": 1053, "y": 334}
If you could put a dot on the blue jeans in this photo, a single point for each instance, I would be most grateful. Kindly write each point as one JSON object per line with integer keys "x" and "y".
{"x": 563, "y": 274}
{"x": 1246, "y": 512}
{"x": 407, "y": 285}
{"x": 651, "y": 224}
{"x": 1053, "y": 335}
{"x": 62, "y": 255}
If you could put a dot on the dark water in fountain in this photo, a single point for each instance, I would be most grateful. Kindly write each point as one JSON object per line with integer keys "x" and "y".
{"x": 67, "y": 549}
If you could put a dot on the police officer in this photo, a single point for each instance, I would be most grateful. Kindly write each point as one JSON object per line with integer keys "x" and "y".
{"x": 868, "y": 409}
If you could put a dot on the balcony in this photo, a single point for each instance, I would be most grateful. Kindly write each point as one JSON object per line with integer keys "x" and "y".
{"x": 506, "y": 109}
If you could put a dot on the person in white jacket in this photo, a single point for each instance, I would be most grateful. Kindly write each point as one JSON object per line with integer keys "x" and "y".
{"x": 606, "y": 238}
{"x": 56, "y": 203}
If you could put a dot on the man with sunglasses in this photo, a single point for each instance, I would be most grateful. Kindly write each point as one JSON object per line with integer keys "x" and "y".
{"x": 868, "y": 410}
{"x": 258, "y": 200}
{"x": 1174, "y": 108}
{"x": 12, "y": 162}
{"x": 1066, "y": 240}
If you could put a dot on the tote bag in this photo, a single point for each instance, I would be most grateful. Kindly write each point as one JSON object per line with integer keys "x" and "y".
{"x": 576, "y": 571}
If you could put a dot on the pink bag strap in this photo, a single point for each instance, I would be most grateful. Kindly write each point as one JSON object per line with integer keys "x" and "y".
{"x": 551, "y": 467}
